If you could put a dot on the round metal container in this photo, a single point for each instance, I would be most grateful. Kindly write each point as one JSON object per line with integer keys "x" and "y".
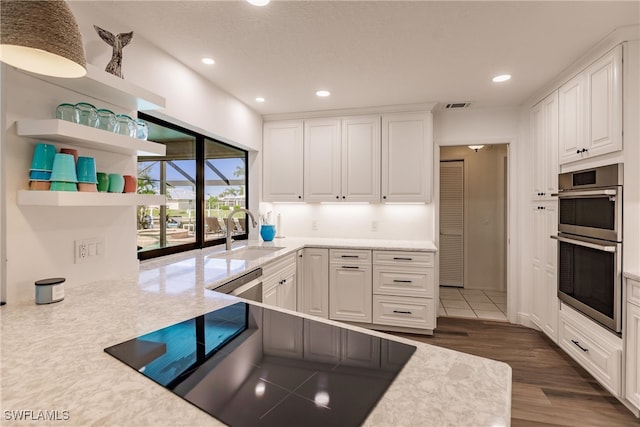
{"x": 49, "y": 290}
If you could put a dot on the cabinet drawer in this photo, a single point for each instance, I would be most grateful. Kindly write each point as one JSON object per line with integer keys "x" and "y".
{"x": 590, "y": 350}
{"x": 351, "y": 256}
{"x": 403, "y": 282}
{"x": 633, "y": 291}
{"x": 276, "y": 266}
{"x": 423, "y": 259}
{"x": 403, "y": 311}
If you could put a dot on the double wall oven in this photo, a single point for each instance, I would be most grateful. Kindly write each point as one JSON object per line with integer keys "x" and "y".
{"x": 590, "y": 243}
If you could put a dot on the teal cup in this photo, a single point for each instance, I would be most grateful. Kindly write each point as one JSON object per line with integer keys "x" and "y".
{"x": 64, "y": 168}
{"x": 267, "y": 232}
{"x": 103, "y": 182}
{"x": 43, "y": 156}
{"x": 116, "y": 183}
{"x": 86, "y": 170}
{"x": 63, "y": 186}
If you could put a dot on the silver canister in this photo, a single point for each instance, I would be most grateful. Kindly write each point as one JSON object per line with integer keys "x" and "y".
{"x": 49, "y": 290}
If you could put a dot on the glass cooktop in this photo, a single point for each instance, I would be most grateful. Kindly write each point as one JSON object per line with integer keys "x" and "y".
{"x": 251, "y": 366}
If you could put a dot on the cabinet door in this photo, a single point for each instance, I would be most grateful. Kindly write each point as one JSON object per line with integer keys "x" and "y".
{"x": 633, "y": 354}
{"x": 536, "y": 132}
{"x": 538, "y": 306}
{"x": 287, "y": 292}
{"x": 282, "y": 161}
{"x": 322, "y": 160}
{"x": 604, "y": 104}
{"x": 550, "y": 324}
{"x": 550, "y": 165}
{"x": 571, "y": 119}
{"x": 361, "y": 159}
{"x": 350, "y": 293}
{"x": 407, "y": 147}
{"x": 314, "y": 282}
{"x": 270, "y": 292}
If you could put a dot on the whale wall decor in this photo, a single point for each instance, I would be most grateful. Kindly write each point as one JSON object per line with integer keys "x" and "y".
{"x": 117, "y": 42}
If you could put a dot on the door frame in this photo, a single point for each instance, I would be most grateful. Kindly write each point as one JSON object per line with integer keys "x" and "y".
{"x": 511, "y": 220}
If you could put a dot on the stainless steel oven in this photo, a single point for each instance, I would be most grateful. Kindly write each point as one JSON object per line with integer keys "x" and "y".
{"x": 590, "y": 243}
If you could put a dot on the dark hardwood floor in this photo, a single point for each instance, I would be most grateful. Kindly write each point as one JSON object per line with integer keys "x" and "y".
{"x": 548, "y": 387}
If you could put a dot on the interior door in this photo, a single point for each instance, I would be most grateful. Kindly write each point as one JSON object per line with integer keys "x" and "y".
{"x": 452, "y": 223}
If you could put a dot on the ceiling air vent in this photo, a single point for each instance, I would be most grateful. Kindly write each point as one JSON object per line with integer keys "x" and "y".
{"x": 457, "y": 105}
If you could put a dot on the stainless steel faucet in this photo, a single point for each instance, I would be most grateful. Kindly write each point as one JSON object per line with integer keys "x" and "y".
{"x": 229, "y": 227}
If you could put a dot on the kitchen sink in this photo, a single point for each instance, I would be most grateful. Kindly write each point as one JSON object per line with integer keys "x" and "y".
{"x": 247, "y": 253}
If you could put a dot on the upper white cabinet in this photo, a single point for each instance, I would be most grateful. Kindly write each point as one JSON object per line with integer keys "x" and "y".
{"x": 282, "y": 177}
{"x": 342, "y": 159}
{"x": 590, "y": 110}
{"x": 407, "y": 153}
{"x": 543, "y": 119}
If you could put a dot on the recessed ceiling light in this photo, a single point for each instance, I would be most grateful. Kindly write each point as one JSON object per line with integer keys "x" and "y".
{"x": 323, "y": 93}
{"x": 259, "y": 99}
{"x": 208, "y": 61}
{"x": 501, "y": 78}
{"x": 259, "y": 2}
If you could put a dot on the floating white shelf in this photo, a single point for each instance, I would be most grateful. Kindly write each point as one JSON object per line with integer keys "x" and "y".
{"x": 107, "y": 87}
{"x": 88, "y": 137}
{"x": 73, "y": 198}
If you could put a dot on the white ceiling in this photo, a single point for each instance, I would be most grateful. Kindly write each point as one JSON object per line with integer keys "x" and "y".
{"x": 371, "y": 53}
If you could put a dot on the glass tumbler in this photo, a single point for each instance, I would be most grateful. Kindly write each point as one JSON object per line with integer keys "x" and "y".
{"x": 106, "y": 120}
{"x": 143, "y": 129}
{"x": 67, "y": 112}
{"x": 125, "y": 126}
{"x": 87, "y": 114}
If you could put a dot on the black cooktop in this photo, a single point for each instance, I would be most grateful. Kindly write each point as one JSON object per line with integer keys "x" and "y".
{"x": 252, "y": 366}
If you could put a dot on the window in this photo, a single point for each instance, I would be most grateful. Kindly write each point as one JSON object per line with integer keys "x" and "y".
{"x": 203, "y": 180}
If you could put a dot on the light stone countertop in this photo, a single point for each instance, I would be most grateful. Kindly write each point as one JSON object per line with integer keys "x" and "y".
{"x": 52, "y": 358}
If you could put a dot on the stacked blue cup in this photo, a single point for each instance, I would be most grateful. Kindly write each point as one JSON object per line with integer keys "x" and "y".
{"x": 42, "y": 162}
{"x": 63, "y": 174}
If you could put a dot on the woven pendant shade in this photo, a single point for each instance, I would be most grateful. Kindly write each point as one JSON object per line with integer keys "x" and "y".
{"x": 42, "y": 37}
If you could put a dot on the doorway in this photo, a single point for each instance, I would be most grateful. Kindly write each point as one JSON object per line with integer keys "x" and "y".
{"x": 472, "y": 232}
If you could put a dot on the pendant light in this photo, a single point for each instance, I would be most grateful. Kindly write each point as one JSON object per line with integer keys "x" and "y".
{"x": 42, "y": 37}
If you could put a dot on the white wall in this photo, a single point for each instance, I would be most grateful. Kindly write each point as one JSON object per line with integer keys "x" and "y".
{"x": 39, "y": 240}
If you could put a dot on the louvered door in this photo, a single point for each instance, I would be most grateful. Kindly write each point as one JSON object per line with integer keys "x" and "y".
{"x": 452, "y": 223}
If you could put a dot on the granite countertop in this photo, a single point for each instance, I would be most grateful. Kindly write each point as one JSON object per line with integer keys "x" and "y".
{"x": 53, "y": 364}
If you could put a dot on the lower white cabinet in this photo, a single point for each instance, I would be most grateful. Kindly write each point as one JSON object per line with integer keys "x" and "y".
{"x": 404, "y": 289}
{"x": 279, "y": 284}
{"x": 632, "y": 342}
{"x": 313, "y": 281}
{"x": 592, "y": 346}
{"x": 350, "y": 285}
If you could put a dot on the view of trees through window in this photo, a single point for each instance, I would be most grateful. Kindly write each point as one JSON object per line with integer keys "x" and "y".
{"x": 202, "y": 179}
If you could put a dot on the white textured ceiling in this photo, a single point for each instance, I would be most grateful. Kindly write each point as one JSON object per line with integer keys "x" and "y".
{"x": 372, "y": 53}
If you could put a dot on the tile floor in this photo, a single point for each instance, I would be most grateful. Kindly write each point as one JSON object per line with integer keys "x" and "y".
{"x": 473, "y": 303}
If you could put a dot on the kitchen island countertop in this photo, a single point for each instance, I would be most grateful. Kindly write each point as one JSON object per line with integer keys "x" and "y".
{"x": 54, "y": 370}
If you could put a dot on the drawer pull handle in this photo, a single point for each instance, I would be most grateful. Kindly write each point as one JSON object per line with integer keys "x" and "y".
{"x": 398, "y": 258}
{"x": 402, "y": 312}
{"x": 350, "y": 266}
{"x": 401, "y": 281}
{"x": 577, "y": 343}
{"x": 349, "y": 256}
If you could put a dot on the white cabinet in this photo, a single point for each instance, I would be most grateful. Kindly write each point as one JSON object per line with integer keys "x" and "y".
{"x": 282, "y": 156}
{"x": 407, "y": 153}
{"x": 545, "y": 303}
{"x": 313, "y": 281}
{"x": 350, "y": 285}
{"x": 590, "y": 110}
{"x": 279, "y": 284}
{"x": 592, "y": 346}
{"x": 342, "y": 159}
{"x": 544, "y": 135}
{"x": 632, "y": 342}
{"x": 404, "y": 289}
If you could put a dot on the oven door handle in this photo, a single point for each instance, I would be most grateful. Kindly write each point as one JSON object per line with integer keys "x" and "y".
{"x": 585, "y": 193}
{"x": 603, "y": 248}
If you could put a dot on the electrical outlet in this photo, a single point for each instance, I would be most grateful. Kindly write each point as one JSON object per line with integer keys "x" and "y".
{"x": 374, "y": 225}
{"x": 88, "y": 250}
{"x": 314, "y": 225}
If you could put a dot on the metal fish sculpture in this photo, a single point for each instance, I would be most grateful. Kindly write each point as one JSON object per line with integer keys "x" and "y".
{"x": 117, "y": 42}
